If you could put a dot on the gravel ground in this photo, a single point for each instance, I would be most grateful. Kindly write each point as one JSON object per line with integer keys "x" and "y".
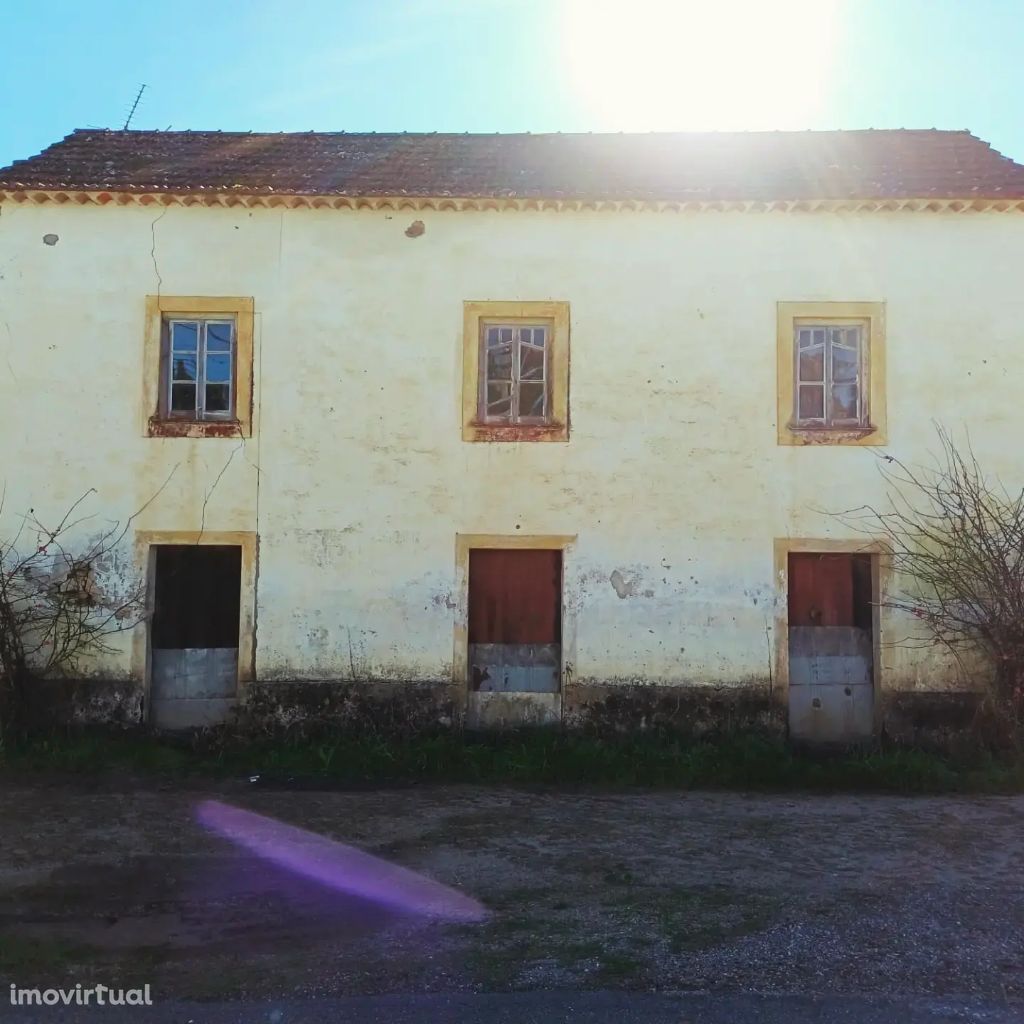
{"x": 825, "y": 896}
{"x": 548, "y": 1008}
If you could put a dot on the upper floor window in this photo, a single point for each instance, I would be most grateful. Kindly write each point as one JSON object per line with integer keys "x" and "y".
{"x": 514, "y": 381}
{"x": 198, "y": 366}
{"x": 516, "y": 371}
{"x": 831, "y": 373}
{"x": 199, "y": 357}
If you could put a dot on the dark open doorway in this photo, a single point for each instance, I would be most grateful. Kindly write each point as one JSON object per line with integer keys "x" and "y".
{"x": 194, "y": 634}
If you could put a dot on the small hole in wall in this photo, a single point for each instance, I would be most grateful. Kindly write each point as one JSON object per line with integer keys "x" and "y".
{"x": 50, "y": 239}
{"x": 517, "y": 526}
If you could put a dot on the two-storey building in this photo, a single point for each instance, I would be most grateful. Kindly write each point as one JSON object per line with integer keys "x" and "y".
{"x": 505, "y": 427}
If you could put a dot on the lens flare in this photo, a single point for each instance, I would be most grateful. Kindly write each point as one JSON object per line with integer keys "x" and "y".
{"x": 702, "y": 65}
{"x": 336, "y": 865}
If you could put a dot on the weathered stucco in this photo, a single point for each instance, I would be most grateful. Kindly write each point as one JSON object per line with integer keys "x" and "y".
{"x": 356, "y": 478}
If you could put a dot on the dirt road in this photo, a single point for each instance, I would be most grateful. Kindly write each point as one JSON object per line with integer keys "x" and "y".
{"x": 116, "y": 882}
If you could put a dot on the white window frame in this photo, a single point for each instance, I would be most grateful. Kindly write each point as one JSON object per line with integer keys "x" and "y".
{"x": 828, "y": 420}
{"x": 514, "y": 416}
{"x": 199, "y": 413}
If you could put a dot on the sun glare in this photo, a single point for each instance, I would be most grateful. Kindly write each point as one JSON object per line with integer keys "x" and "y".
{"x": 649, "y": 65}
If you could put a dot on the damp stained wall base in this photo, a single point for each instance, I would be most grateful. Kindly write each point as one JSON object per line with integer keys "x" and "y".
{"x": 505, "y": 710}
{"x": 939, "y": 721}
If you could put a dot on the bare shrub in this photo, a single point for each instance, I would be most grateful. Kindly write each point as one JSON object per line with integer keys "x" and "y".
{"x": 956, "y": 541}
{"x": 59, "y": 603}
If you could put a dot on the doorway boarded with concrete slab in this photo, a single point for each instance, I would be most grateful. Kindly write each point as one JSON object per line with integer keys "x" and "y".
{"x": 832, "y": 623}
{"x": 194, "y": 638}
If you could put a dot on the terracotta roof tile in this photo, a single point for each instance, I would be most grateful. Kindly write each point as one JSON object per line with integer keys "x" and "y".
{"x": 685, "y": 166}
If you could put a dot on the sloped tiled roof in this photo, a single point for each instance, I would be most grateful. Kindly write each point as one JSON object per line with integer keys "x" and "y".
{"x": 826, "y": 165}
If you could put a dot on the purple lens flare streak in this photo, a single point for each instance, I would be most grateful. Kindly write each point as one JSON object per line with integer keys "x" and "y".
{"x": 337, "y": 865}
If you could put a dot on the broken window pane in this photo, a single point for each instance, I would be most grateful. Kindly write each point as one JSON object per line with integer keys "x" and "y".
{"x": 811, "y": 402}
{"x": 829, "y": 354}
{"x": 844, "y": 401}
{"x": 514, "y": 368}
{"x": 844, "y": 364}
{"x": 531, "y": 399}
{"x": 531, "y": 363}
{"x": 812, "y": 365}
{"x": 499, "y": 364}
{"x": 499, "y": 399}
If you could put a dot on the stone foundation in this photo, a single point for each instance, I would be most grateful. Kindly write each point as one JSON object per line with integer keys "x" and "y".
{"x": 391, "y": 710}
{"x": 941, "y": 721}
{"x": 698, "y": 711}
{"x": 88, "y": 702}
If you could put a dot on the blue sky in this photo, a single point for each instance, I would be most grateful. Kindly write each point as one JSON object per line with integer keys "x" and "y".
{"x": 512, "y": 65}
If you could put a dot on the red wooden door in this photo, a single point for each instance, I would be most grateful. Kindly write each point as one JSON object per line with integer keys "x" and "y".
{"x": 821, "y": 590}
{"x": 515, "y": 596}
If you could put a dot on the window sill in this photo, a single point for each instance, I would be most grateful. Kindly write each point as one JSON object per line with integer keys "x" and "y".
{"x": 158, "y": 427}
{"x": 866, "y": 436}
{"x": 515, "y": 432}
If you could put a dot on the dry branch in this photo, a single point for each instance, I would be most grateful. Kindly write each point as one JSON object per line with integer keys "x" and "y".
{"x": 956, "y": 543}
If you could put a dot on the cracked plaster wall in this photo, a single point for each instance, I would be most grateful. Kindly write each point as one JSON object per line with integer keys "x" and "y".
{"x": 356, "y": 478}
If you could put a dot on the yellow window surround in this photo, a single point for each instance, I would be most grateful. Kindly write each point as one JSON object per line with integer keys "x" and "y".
{"x": 160, "y": 308}
{"x": 871, "y": 315}
{"x": 556, "y": 424}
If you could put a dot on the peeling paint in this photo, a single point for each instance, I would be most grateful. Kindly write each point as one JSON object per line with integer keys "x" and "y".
{"x": 159, "y": 427}
{"x": 357, "y": 416}
{"x": 351, "y": 708}
{"x": 517, "y": 432}
{"x": 627, "y": 587}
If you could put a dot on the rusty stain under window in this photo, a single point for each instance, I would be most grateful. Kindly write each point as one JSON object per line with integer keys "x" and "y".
{"x": 160, "y": 427}
{"x": 519, "y": 431}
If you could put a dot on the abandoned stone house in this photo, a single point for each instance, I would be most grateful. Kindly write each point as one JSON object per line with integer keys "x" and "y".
{"x": 504, "y": 428}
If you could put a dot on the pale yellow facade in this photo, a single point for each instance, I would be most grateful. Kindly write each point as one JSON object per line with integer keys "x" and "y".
{"x": 672, "y": 490}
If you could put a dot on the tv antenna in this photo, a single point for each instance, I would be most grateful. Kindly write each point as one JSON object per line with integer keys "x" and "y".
{"x": 131, "y": 113}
